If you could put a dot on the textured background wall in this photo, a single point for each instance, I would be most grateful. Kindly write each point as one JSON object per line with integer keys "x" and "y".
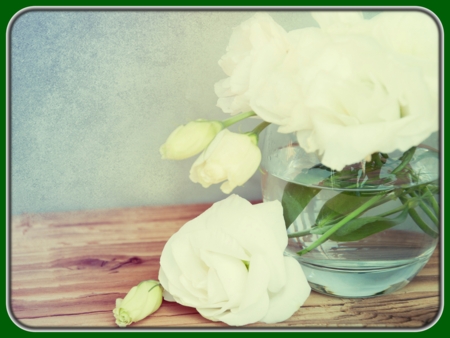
{"x": 95, "y": 94}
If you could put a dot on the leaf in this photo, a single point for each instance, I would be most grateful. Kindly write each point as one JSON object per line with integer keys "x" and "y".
{"x": 406, "y": 158}
{"x": 363, "y": 227}
{"x": 295, "y": 198}
{"x": 345, "y": 202}
{"x": 312, "y": 176}
{"x": 425, "y": 154}
{"x": 340, "y": 205}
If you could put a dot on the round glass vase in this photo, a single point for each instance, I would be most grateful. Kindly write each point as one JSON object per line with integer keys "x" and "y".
{"x": 362, "y": 232}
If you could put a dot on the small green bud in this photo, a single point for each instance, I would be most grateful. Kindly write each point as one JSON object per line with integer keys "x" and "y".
{"x": 140, "y": 302}
{"x": 190, "y": 139}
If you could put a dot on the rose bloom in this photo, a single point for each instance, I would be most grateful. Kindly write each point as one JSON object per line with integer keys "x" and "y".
{"x": 354, "y": 87}
{"x": 231, "y": 157}
{"x": 255, "y": 47}
{"x": 352, "y": 100}
{"x": 228, "y": 263}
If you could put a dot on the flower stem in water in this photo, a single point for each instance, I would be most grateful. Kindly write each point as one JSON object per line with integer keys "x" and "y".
{"x": 419, "y": 221}
{"x": 300, "y": 233}
{"x": 425, "y": 208}
{"x": 432, "y": 200}
{"x": 317, "y": 231}
{"x": 340, "y": 224}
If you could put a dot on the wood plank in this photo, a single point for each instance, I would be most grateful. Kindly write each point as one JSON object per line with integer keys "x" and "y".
{"x": 67, "y": 269}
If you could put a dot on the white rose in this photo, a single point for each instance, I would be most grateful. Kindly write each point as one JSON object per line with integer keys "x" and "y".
{"x": 338, "y": 22}
{"x": 230, "y": 157}
{"x": 348, "y": 96}
{"x": 255, "y": 47}
{"x": 411, "y": 33}
{"x": 366, "y": 102}
{"x": 228, "y": 263}
{"x": 190, "y": 139}
{"x": 411, "y": 36}
{"x": 414, "y": 38}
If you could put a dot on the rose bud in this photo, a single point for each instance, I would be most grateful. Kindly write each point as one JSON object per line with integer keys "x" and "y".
{"x": 190, "y": 139}
{"x": 140, "y": 302}
{"x": 230, "y": 157}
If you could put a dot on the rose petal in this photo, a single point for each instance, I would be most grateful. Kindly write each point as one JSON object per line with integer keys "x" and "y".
{"x": 332, "y": 19}
{"x": 254, "y": 48}
{"x": 255, "y": 301}
{"x": 288, "y": 300}
{"x": 217, "y": 241}
{"x": 271, "y": 214}
{"x": 190, "y": 264}
{"x": 231, "y": 272}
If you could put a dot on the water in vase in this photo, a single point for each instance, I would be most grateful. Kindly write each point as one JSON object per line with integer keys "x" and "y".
{"x": 375, "y": 265}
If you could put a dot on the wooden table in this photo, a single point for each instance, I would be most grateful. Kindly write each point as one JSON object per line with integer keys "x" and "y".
{"x": 68, "y": 268}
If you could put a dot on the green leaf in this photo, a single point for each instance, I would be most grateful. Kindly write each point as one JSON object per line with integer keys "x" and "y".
{"x": 361, "y": 228}
{"x": 295, "y": 198}
{"x": 406, "y": 157}
{"x": 345, "y": 202}
{"x": 424, "y": 154}
{"x": 312, "y": 176}
{"x": 433, "y": 188}
{"x": 340, "y": 205}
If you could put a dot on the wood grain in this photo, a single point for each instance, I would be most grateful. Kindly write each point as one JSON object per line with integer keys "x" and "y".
{"x": 68, "y": 268}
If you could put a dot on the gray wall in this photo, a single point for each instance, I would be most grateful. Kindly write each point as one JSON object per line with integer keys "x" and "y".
{"x": 95, "y": 94}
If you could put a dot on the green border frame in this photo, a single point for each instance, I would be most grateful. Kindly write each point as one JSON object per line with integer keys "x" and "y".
{"x": 11, "y": 8}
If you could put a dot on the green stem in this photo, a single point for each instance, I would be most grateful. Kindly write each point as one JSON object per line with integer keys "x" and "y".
{"x": 377, "y": 160}
{"x": 254, "y": 134}
{"x": 389, "y": 195}
{"x": 425, "y": 208}
{"x": 341, "y": 223}
{"x": 393, "y": 211}
{"x": 419, "y": 221}
{"x": 407, "y": 156}
{"x": 234, "y": 119}
{"x": 300, "y": 233}
{"x": 434, "y": 203}
{"x": 260, "y": 127}
{"x": 325, "y": 228}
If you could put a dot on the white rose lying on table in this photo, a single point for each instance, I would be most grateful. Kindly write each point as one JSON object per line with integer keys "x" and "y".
{"x": 228, "y": 263}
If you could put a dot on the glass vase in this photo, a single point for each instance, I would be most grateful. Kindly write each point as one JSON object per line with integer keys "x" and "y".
{"x": 364, "y": 231}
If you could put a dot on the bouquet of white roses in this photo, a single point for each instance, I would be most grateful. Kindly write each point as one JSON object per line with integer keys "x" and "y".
{"x": 352, "y": 91}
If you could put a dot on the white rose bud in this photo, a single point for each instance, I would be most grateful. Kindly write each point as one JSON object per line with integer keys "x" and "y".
{"x": 140, "y": 302}
{"x": 230, "y": 157}
{"x": 190, "y": 139}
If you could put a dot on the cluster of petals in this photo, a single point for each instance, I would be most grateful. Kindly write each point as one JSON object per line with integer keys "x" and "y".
{"x": 348, "y": 88}
{"x": 228, "y": 263}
